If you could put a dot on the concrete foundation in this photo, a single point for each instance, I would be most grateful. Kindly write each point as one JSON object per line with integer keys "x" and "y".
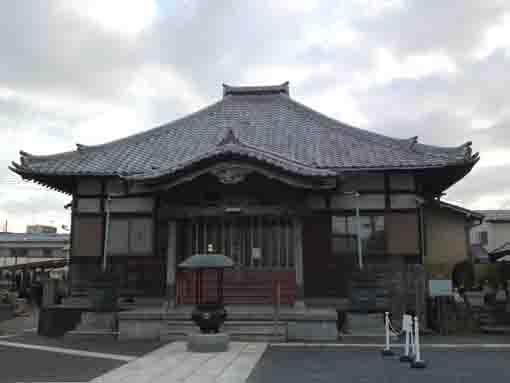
{"x": 317, "y": 331}
{"x": 199, "y": 342}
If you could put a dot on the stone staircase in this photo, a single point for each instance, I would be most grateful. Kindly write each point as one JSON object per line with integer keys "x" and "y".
{"x": 250, "y": 325}
{"x": 244, "y": 323}
{"x": 495, "y": 320}
{"x": 238, "y": 330}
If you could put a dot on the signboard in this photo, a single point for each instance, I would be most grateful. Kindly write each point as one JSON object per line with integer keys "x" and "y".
{"x": 440, "y": 287}
{"x": 363, "y": 299}
{"x": 407, "y": 323}
{"x": 256, "y": 253}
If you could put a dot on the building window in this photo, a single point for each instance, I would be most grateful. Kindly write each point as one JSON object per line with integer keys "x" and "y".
{"x": 251, "y": 241}
{"x": 345, "y": 234}
{"x": 47, "y": 252}
{"x": 19, "y": 252}
{"x": 130, "y": 236}
{"x": 484, "y": 238}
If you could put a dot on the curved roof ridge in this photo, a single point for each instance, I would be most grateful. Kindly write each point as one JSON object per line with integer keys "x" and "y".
{"x": 272, "y": 127}
{"x": 85, "y": 149}
{"x": 387, "y": 141}
{"x": 243, "y": 150}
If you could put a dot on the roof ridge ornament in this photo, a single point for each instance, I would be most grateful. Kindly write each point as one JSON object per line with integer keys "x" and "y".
{"x": 80, "y": 147}
{"x": 282, "y": 88}
{"x": 411, "y": 142}
{"x": 229, "y": 139}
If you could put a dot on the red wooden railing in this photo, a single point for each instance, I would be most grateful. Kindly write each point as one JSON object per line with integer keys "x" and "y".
{"x": 241, "y": 286}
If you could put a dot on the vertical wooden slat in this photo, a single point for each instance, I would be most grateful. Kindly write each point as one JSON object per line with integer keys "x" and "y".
{"x": 232, "y": 254}
{"x": 278, "y": 232}
{"x": 252, "y": 239}
{"x": 225, "y": 243}
{"x": 261, "y": 239}
{"x": 204, "y": 235}
{"x": 189, "y": 235}
{"x": 286, "y": 242}
{"x": 196, "y": 249}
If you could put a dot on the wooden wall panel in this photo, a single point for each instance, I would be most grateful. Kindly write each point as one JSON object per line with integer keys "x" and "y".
{"x": 402, "y": 181}
{"x": 402, "y": 233}
{"x": 88, "y": 236}
{"x": 89, "y": 186}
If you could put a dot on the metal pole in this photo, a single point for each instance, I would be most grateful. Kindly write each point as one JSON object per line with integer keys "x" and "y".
{"x": 358, "y": 220}
{"x": 106, "y": 231}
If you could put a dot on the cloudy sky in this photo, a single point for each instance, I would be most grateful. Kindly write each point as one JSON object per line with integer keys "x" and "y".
{"x": 89, "y": 71}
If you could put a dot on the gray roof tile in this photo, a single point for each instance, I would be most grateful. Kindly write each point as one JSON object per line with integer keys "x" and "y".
{"x": 496, "y": 215}
{"x": 267, "y": 124}
{"x": 33, "y": 237}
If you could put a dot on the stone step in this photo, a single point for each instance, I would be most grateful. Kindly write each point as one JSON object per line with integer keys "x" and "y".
{"x": 495, "y": 329}
{"x": 238, "y": 330}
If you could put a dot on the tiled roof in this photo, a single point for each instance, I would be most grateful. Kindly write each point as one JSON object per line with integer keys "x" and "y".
{"x": 496, "y": 215}
{"x": 501, "y": 251}
{"x": 258, "y": 122}
{"x": 475, "y": 214}
{"x": 33, "y": 237}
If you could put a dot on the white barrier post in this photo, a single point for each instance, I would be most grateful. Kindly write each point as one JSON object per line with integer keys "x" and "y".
{"x": 387, "y": 348}
{"x": 406, "y": 327}
{"x": 417, "y": 362}
{"x": 412, "y": 341}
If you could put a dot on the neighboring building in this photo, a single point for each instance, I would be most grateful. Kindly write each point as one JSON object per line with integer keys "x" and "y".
{"x": 268, "y": 182}
{"x": 448, "y": 228}
{"x": 43, "y": 229}
{"x": 494, "y": 232}
{"x": 18, "y": 248}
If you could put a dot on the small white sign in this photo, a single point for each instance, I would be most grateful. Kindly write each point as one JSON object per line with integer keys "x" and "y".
{"x": 407, "y": 323}
{"x": 440, "y": 287}
{"x": 256, "y": 253}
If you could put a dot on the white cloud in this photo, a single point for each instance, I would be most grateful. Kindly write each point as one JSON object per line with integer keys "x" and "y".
{"x": 481, "y": 123}
{"x": 127, "y": 18}
{"x": 388, "y": 67}
{"x": 496, "y": 37}
{"x": 91, "y": 71}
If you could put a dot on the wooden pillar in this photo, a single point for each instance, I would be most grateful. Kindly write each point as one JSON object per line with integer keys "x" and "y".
{"x": 171, "y": 263}
{"x": 298, "y": 262}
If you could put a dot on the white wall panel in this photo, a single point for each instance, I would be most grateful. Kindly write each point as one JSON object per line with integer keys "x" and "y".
{"x": 403, "y": 201}
{"x": 131, "y": 205}
{"x": 119, "y": 237}
{"x": 140, "y": 235}
{"x": 367, "y": 201}
{"x": 89, "y": 205}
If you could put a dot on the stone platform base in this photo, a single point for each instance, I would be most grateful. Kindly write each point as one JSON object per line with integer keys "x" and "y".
{"x": 208, "y": 342}
{"x": 253, "y": 323}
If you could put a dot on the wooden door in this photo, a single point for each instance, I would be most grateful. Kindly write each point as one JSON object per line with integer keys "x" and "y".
{"x": 326, "y": 275}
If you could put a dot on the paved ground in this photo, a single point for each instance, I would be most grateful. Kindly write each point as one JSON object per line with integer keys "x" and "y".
{"x": 22, "y": 365}
{"x": 104, "y": 344}
{"x": 19, "y": 324}
{"x": 31, "y": 358}
{"x": 173, "y": 363}
{"x": 335, "y": 364}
